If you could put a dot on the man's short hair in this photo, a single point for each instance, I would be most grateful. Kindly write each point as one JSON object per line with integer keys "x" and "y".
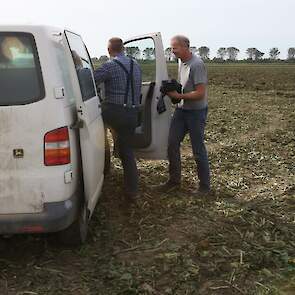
{"x": 116, "y": 44}
{"x": 182, "y": 40}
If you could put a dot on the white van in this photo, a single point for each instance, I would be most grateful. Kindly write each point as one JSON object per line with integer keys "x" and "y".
{"x": 52, "y": 137}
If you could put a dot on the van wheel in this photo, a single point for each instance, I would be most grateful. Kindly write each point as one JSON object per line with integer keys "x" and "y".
{"x": 107, "y": 155}
{"x": 76, "y": 233}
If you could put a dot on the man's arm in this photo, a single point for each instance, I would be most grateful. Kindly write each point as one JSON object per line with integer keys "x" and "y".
{"x": 197, "y": 94}
{"x": 102, "y": 74}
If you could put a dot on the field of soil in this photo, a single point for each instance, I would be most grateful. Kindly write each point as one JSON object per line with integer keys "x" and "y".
{"x": 177, "y": 243}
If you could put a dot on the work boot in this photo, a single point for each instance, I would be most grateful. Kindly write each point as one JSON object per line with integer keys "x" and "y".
{"x": 205, "y": 193}
{"x": 167, "y": 187}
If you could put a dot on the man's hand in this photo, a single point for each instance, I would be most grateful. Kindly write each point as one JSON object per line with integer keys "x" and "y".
{"x": 174, "y": 94}
{"x": 197, "y": 94}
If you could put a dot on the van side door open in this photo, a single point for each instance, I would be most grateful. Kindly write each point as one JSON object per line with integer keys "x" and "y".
{"x": 151, "y": 138}
{"x": 89, "y": 120}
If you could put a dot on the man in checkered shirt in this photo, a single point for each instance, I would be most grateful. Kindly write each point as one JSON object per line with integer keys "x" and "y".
{"x": 122, "y": 79}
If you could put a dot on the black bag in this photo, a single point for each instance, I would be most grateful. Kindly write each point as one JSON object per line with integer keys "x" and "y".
{"x": 171, "y": 85}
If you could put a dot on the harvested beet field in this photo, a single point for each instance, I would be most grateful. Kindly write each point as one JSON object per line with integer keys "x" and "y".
{"x": 176, "y": 243}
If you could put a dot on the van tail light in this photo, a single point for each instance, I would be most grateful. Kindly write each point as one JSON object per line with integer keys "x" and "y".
{"x": 57, "y": 147}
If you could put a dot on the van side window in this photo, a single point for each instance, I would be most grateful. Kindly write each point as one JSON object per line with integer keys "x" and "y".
{"x": 83, "y": 65}
{"x": 20, "y": 73}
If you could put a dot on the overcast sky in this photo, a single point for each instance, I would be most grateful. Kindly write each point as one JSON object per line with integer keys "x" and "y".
{"x": 213, "y": 23}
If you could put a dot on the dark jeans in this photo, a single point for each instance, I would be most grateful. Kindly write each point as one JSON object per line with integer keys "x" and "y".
{"x": 192, "y": 122}
{"x": 123, "y": 121}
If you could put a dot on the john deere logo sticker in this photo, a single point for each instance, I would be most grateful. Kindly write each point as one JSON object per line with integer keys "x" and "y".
{"x": 18, "y": 153}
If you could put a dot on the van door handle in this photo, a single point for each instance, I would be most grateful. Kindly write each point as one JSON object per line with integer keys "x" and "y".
{"x": 78, "y": 124}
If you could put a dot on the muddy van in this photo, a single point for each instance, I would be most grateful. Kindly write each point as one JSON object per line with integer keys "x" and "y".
{"x": 51, "y": 133}
{"x": 52, "y": 137}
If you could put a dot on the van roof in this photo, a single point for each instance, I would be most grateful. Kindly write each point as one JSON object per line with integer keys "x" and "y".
{"x": 30, "y": 28}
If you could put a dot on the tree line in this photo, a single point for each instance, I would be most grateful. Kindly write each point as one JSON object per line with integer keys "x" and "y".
{"x": 223, "y": 54}
{"x": 231, "y": 54}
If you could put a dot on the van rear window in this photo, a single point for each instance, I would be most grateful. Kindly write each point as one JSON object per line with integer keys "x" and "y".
{"x": 20, "y": 73}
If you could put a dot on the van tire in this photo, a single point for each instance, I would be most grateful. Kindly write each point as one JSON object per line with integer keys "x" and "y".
{"x": 76, "y": 233}
{"x": 107, "y": 155}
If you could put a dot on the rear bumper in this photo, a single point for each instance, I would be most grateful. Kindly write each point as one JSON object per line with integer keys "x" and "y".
{"x": 55, "y": 217}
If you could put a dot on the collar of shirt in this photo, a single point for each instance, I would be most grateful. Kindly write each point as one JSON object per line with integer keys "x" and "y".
{"x": 121, "y": 54}
{"x": 188, "y": 62}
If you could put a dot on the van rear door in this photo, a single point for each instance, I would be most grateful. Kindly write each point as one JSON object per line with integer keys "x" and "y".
{"x": 21, "y": 140}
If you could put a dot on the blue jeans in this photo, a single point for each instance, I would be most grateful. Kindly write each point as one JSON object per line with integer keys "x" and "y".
{"x": 123, "y": 121}
{"x": 192, "y": 122}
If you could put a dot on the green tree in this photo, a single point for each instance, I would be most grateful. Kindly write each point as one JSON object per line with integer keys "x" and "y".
{"x": 133, "y": 51}
{"x": 103, "y": 59}
{"x": 169, "y": 54}
{"x": 254, "y": 54}
{"x": 291, "y": 53}
{"x": 258, "y": 55}
{"x": 204, "y": 52}
{"x": 274, "y": 53}
{"x": 232, "y": 53}
{"x": 251, "y": 53}
{"x": 221, "y": 53}
{"x": 149, "y": 53}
